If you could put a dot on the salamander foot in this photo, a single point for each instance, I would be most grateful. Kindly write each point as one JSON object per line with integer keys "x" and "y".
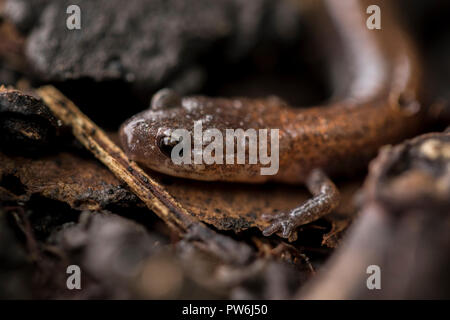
{"x": 325, "y": 199}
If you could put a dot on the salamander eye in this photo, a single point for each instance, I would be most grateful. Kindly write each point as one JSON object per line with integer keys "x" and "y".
{"x": 166, "y": 143}
{"x": 165, "y": 99}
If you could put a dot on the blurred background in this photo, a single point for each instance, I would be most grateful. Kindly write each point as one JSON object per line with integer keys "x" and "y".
{"x": 110, "y": 68}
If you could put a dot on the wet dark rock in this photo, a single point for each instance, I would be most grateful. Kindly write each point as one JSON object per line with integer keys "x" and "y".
{"x": 147, "y": 43}
{"x": 109, "y": 249}
{"x": 26, "y": 123}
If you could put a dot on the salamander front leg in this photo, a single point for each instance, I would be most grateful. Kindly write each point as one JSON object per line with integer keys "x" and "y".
{"x": 326, "y": 198}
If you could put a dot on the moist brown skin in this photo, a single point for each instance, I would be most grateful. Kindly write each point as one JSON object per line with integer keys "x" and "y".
{"x": 378, "y": 106}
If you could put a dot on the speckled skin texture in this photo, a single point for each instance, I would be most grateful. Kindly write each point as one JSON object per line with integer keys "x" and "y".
{"x": 377, "y": 105}
{"x": 314, "y": 138}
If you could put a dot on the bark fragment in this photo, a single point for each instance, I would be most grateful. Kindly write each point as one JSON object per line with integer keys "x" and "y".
{"x": 239, "y": 207}
{"x": 81, "y": 183}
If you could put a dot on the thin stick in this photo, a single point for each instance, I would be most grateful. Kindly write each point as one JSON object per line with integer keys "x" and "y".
{"x": 146, "y": 188}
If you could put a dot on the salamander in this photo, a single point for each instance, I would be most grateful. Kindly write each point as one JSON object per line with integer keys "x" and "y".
{"x": 377, "y": 104}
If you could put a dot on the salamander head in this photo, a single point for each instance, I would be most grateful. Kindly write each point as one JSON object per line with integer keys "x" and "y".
{"x": 150, "y": 136}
